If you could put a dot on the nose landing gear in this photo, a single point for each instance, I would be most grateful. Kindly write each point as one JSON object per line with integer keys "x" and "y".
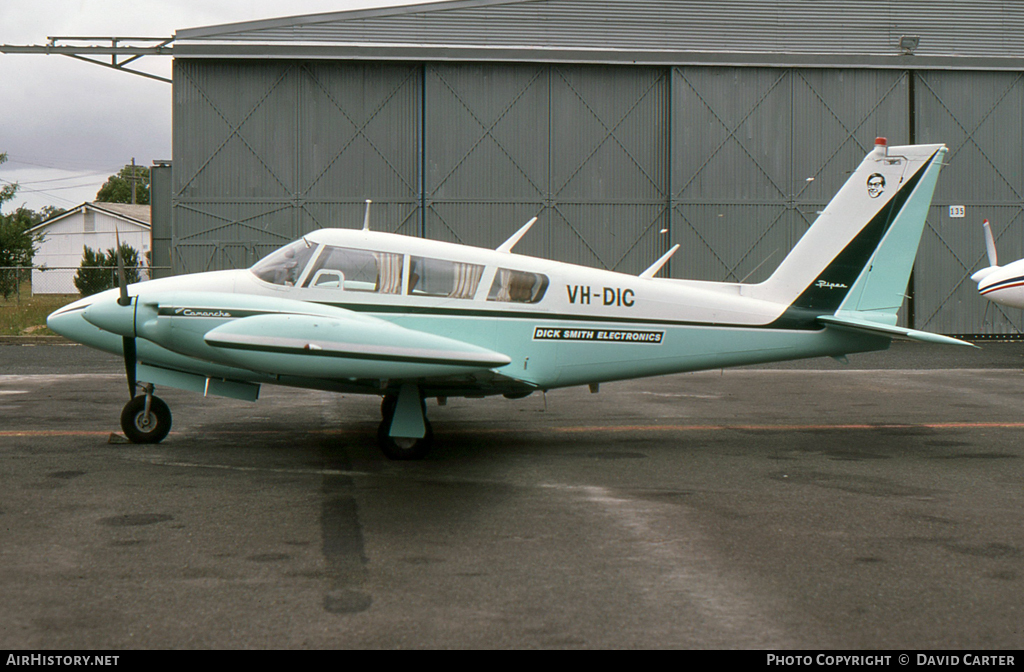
{"x": 146, "y": 418}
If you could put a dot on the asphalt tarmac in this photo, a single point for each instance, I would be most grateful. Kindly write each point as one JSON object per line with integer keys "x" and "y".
{"x": 873, "y": 505}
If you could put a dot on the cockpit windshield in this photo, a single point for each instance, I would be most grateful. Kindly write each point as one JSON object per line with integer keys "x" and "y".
{"x": 284, "y": 266}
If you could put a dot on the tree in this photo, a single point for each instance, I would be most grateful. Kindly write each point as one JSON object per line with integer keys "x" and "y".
{"x": 49, "y": 212}
{"x": 7, "y": 191}
{"x": 17, "y": 245}
{"x": 118, "y": 188}
{"x": 98, "y": 270}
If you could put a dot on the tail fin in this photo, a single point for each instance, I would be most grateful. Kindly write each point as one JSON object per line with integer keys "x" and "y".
{"x": 858, "y": 255}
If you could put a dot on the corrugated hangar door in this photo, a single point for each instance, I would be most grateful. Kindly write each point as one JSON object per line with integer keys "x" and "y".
{"x": 757, "y": 152}
{"x": 980, "y": 117}
{"x": 359, "y": 134}
{"x": 609, "y": 167}
{"x": 485, "y": 152}
{"x": 234, "y": 175}
{"x": 581, "y": 147}
{"x": 269, "y": 150}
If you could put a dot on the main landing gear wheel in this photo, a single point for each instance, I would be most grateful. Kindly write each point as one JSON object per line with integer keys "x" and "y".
{"x": 142, "y": 427}
{"x": 400, "y": 448}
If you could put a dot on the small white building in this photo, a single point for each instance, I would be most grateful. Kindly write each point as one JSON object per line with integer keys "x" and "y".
{"x": 89, "y": 224}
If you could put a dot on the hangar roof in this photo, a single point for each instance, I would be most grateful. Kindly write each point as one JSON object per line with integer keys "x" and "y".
{"x": 983, "y": 34}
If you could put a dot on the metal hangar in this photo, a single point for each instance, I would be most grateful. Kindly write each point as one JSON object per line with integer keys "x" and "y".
{"x": 625, "y": 127}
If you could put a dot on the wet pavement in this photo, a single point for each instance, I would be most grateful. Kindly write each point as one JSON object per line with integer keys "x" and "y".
{"x": 807, "y": 505}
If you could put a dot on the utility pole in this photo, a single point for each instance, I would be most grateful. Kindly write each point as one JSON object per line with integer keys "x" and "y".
{"x": 133, "y": 178}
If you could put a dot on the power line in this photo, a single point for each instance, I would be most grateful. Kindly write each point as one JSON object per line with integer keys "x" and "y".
{"x": 47, "y": 193}
{"x": 60, "y": 179}
{"x": 12, "y": 158}
{"x": 43, "y": 191}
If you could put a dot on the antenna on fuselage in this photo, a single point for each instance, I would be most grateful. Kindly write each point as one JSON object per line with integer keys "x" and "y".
{"x": 511, "y": 242}
{"x": 366, "y": 218}
{"x": 763, "y": 262}
{"x": 656, "y": 266}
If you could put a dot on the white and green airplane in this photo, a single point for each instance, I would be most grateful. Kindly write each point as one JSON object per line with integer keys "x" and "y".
{"x": 408, "y": 319}
{"x": 1000, "y": 284}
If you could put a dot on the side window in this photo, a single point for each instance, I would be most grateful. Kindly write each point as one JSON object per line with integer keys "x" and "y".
{"x": 518, "y": 286}
{"x": 450, "y": 279}
{"x": 357, "y": 270}
{"x": 284, "y": 266}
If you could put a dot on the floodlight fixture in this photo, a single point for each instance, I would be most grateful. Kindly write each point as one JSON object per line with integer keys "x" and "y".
{"x": 908, "y": 43}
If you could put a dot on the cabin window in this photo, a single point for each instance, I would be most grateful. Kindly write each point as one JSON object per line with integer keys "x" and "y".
{"x": 518, "y": 286}
{"x": 284, "y": 266}
{"x": 357, "y": 271}
{"x": 449, "y": 279}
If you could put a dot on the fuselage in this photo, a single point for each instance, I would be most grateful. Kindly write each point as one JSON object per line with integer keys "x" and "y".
{"x": 557, "y": 324}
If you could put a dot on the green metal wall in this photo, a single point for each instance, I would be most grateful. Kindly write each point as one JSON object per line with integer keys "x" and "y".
{"x": 618, "y": 162}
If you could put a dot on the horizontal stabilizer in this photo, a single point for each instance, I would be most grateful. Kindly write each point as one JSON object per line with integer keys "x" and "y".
{"x": 867, "y": 326}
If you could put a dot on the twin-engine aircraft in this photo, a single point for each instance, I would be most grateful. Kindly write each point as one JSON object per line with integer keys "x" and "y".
{"x": 1000, "y": 284}
{"x": 360, "y": 311}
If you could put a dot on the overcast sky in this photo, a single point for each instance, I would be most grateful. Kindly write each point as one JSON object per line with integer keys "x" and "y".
{"x": 67, "y": 125}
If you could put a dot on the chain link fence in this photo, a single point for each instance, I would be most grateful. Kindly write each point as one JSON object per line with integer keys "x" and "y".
{"x": 18, "y": 282}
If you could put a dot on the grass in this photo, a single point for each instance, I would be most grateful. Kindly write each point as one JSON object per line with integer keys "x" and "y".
{"x": 23, "y": 314}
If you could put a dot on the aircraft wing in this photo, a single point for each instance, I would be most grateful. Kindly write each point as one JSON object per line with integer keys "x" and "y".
{"x": 336, "y": 347}
{"x": 867, "y": 326}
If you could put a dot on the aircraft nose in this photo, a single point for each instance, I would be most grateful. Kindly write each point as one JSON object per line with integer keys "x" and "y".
{"x": 68, "y": 321}
{"x": 58, "y": 320}
{"x": 979, "y": 276}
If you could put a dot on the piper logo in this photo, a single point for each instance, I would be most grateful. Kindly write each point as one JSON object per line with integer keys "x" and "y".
{"x": 822, "y": 284}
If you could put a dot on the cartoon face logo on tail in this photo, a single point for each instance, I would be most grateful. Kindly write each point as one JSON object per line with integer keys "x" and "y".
{"x": 876, "y": 185}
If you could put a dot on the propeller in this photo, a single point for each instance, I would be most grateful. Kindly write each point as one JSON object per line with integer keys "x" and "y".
{"x": 127, "y": 342}
{"x": 124, "y": 299}
{"x": 990, "y": 244}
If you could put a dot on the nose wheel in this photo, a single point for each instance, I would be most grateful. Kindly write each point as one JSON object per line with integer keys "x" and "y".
{"x": 146, "y": 419}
